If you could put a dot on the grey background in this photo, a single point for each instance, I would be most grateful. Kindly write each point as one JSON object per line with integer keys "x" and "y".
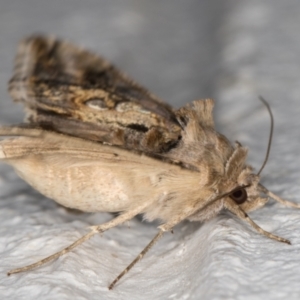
{"x": 232, "y": 51}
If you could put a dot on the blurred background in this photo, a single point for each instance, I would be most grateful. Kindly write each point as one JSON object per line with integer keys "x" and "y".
{"x": 231, "y": 51}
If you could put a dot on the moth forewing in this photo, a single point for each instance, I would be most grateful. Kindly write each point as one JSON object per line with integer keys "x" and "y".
{"x": 74, "y": 91}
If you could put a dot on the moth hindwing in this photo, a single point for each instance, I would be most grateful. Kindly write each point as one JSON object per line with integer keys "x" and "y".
{"x": 96, "y": 141}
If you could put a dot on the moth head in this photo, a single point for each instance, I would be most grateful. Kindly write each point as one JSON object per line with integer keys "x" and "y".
{"x": 242, "y": 184}
{"x": 248, "y": 191}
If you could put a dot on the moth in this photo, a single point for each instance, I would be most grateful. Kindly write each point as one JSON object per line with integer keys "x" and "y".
{"x": 96, "y": 141}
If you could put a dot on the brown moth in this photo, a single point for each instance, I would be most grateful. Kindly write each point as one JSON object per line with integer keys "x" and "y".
{"x": 98, "y": 142}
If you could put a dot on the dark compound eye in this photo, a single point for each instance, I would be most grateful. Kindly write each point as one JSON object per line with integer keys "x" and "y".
{"x": 239, "y": 196}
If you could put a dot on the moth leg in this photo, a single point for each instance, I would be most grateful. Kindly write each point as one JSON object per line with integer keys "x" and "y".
{"x": 137, "y": 259}
{"x": 236, "y": 210}
{"x": 163, "y": 228}
{"x": 94, "y": 230}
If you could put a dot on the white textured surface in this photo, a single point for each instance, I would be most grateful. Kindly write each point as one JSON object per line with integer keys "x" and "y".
{"x": 232, "y": 52}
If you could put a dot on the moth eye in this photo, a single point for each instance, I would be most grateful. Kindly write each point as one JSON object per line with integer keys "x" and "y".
{"x": 239, "y": 196}
{"x": 96, "y": 103}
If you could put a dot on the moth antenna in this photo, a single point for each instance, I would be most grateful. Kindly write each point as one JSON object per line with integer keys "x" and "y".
{"x": 277, "y": 198}
{"x": 271, "y": 132}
